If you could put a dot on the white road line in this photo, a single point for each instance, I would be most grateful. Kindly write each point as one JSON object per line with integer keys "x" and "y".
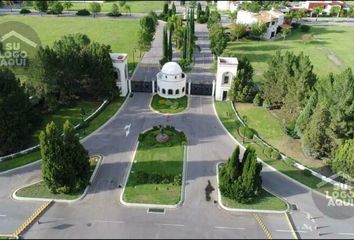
{"x": 299, "y": 231}
{"x": 230, "y": 228}
{"x": 107, "y": 221}
{"x": 3, "y": 215}
{"x": 170, "y": 224}
{"x": 350, "y": 234}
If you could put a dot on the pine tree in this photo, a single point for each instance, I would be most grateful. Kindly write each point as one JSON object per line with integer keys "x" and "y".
{"x": 165, "y": 9}
{"x": 174, "y": 11}
{"x": 343, "y": 158}
{"x": 170, "y": 47}
{"x": 199, "y": 11}
{"x": 18, "y": 118}
{"x": 207, "y": 12}
{"x": 306, "y": 114}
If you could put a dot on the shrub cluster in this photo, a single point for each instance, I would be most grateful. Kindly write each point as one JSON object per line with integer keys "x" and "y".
{"x": 25, "y": 11}
{"x": 83, "y": 12}
{"x": 271, "y": 153}
{"x": 154, "y": 178}
{"x": 246, "y": 132}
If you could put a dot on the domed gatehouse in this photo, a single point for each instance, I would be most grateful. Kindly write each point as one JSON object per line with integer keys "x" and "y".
{"x": 171, "y": 81}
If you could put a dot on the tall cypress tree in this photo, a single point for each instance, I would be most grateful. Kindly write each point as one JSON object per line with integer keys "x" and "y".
{"x": 170, "y": 49}
{"x": 164, "y": 43}
{"x": 174, "y": 11}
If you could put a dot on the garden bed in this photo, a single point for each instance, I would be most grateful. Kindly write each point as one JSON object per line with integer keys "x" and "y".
{"x": 40, "y": 190}
{"x": 169, "y": 106}
{"x": 157, "y": 171}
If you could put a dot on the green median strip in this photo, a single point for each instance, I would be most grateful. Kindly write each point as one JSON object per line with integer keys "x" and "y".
{"x": 94, "y": 124}
{"x": 169, "y": 106}
{"x": 156, "y": 174}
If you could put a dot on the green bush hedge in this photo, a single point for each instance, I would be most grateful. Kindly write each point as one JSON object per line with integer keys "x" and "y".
{"x": 153, "y": 178}
{"x": 305, "y": 28}
{"x": 25, "y": 11}
{"x": 83, "y": 12}
{"x": 307, "y": 172}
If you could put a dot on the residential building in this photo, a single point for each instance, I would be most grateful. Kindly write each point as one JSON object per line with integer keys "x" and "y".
{"x": 274, "y": 20}
{"x": 309, "y": 6}
{"x": 229, "y": 5}
{"x": 227, "y": 70}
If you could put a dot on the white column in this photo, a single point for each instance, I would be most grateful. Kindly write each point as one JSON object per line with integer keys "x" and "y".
{"x": 213, "y": 91}
{"x": 129, "y": 86}
{"x": 189, "y": 88}
{"x": 153, "y": 87}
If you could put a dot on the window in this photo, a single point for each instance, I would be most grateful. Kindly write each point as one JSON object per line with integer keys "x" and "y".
{"x": 163, "y": 91}
{"x": 226, "y": 79}
{"x": 177, "y": 91}
{"x": 170, "y": 92}
{"x": 117, "y": 75}
{"x": 183, "y": 90}
{"x": 126, "y": 72}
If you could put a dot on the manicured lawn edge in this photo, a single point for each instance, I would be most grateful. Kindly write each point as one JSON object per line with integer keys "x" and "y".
{"x": 7, "y": 236}
{"x": 34, "y": 157}
{"x": 291, "y": 173}
{"x": 168, "y": 113}
{"x": 184, "y": 174}
{"x": 220, "y": 200}
{"x": 98, "y": 164}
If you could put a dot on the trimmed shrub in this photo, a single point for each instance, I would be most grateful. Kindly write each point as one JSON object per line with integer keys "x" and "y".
{"x": 246, "y": 131}
{"x": 289, "y": 161}
{"x": 307, "y": 172}
{"x": 141, "y": 137}
{"x": 25, "y": 11}
{"x": 83, "y": 12}
{"x": 305, "y": 28}
{"x": 258, "y": 101}
{"x": 295, "y": 25}
{"x": 275, "y": 155}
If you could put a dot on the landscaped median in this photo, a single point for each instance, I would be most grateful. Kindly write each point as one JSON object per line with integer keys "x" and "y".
{"x": 169, "y": 106}
{"x": 264, "y": 202}
{"x": 39, "y": 191}
{"x": 157, "y": 171}
{"x": 102, "y": 117}
{"x": 286, "y": 166}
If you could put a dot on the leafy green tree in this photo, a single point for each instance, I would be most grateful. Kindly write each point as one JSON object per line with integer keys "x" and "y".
{"x": 285, "y": 32}
{"x": 174, "y": 11}
{"x": 317, "y": 140}
{"x": 214, "y": 18}
{"x": 115, "y": 10}
{"x": 207, "y": 12}
{"x": 199, "y": 11}
{"x": 65, "y": 162}
{"x": 317, "y": 11}
{"x": 233, "y": 16}
{"x": 243, "y": 88}
{"x": 218, "y": 39}
{"x": 147, "y": 23}
{"x": 335, "y": 11}
{"x": 57, "y": 8}
{"x": 253, "y": 6}
{"x": 17, "y": 116}
{"x": 306, "y": 113}
{"x": 299, "y": 14}
{"x": 127, "y": 9}
{"x": 95, "y": 8}
{"x": 343, "y": 158}
{"x": 41, "y": 6}
{"x": 67, "y": 5}
{"x": 237, "y": 30}
{"x": 258, "y": 29}
{"x": 241, "y": 181}
{"x": 122, "y": 3}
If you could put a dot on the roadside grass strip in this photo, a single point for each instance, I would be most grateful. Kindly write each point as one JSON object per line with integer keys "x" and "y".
{"x": 156, "y": 176}
{"x": 264, "y": 228}
{"x": 32, "y": 218}
{"x": 39, "y": 190}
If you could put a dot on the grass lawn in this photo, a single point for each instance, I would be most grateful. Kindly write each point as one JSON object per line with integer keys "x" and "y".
{"x": 169, "y": 106}
{"x": 270, "y": 128}
{"x": 228, "y": 118}
{"x": 120, "y": 34}
{"x": 98, "y": 121}
{"x": 161, "y": 159}
{"x": 71, "y": 113}
{"x": 40, "y": 190}
{"x": 326, "y": 54}
{"x": 266, "y": 201}
{"x": 135, "y": 6}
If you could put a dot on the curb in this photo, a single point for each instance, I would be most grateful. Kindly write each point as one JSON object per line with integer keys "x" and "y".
{"x": 291, "y": 226}
{"x": 170, "y": 114}
{"x": 142, "y": 205}
{"x": 81, "y": 140}
{"x": 93, "y": 176}
{"x": 32, "y": 218}
{"x": 241, "y": 209}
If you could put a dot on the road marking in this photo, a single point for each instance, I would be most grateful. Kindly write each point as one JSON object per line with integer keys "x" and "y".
{"x": 299, "y": 231}
{"x": 230, "y": 228}
{"x": 127, "y": 129}
{"x": 350, "y": 234}
{"x": 3, "y": 215}
{"x": 107, "y": 221}
{"x": 264, "y": 228}
{"x": 170, "y": 224}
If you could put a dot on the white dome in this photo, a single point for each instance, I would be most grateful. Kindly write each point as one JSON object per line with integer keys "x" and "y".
{"x": 171, "y": 68}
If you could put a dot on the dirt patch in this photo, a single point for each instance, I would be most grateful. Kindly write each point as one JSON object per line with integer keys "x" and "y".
{"x": 333, "y": 57}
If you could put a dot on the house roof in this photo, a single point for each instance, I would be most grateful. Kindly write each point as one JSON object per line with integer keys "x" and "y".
{"x": 171, "y": 68}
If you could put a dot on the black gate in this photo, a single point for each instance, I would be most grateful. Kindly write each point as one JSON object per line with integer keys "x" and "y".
{"x": 201, "y": 89}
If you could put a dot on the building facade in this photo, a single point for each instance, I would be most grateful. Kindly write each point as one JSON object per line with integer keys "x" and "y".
{"x": 226, "y": 71}
{"x": 171, "y": 81}
{"x": 120, "y": 66}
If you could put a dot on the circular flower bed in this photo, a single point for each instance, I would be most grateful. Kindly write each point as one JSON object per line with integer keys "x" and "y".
{"x": 162, "y": 137}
